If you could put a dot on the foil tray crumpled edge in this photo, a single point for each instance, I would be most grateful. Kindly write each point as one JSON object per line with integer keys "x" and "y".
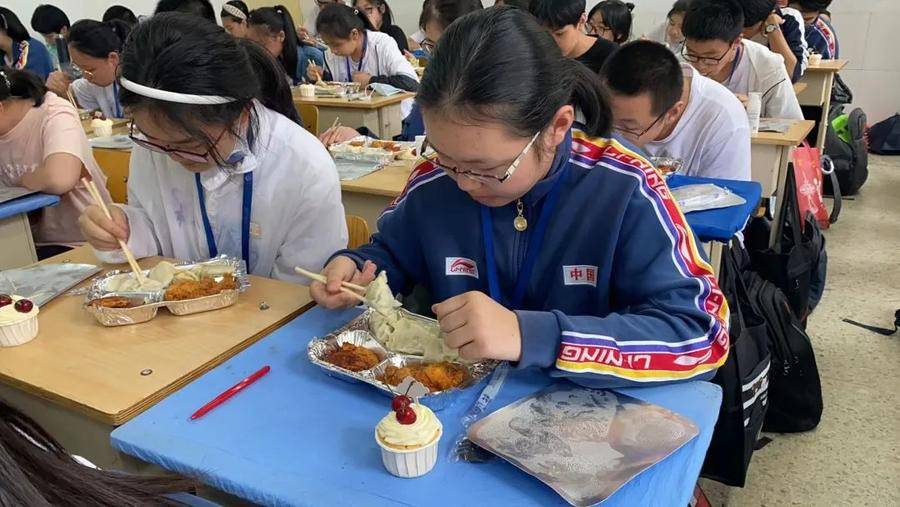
{"x": 319, "y": 347}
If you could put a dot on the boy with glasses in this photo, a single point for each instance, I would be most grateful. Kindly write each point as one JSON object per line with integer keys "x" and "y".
{"x": 715, "y": 47}
{"x": 566, "y": 20}
{"x": 668, "y": 109}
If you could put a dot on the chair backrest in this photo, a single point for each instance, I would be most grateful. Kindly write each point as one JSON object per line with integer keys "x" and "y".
{"x": 309, "y": 114}
{"x": 114, "y": 164}
{"x": 358, "y": 230}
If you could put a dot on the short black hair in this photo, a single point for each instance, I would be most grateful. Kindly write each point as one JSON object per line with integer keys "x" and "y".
{"x": 555, "y": 14}
{"x": 202, "y": 8}
{"x": 99, "y": 38}
{"x": 10, "y": 24}
{"x": 21, "y": 84}
{"x": 812, "y": 5}
{"x": 120, "y": 12}
{"x": 445, "y": 12}
{"x": 49, "y": 19}
{"x": 679, "y": 7}
{"x": 713, "y": 20}
{"x": 756, "y": 11}
{"x": 616, "y": 16}
{"x": 645, "y": 67}
{"x": 519, "y": 4}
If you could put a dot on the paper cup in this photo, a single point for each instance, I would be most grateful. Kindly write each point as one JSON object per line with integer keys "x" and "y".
{"x": 19, "y": 333}
{"x": 411, "y": 463}
{"x": 307, "y": 91}
{"x": 815, "y": 59}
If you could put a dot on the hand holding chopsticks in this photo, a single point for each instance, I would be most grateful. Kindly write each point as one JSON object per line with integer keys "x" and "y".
{"x": 98, "y": 200}
{"x": 346, "y": 287}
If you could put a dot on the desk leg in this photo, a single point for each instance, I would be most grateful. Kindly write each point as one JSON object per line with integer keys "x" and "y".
{"x": 390, "y": 121}
{"x": 784, "y": 155}
{"x": 365, "y": 205}
{"x": 826, "y": 105}
{"x": 18, "y": 245}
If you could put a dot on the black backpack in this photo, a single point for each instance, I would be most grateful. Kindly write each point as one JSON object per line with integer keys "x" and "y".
{"x": 851, "y": 160}
{"x": 795, "y": 391}
{"x": 884, "y": 136}
{"x": 744, "y": 378}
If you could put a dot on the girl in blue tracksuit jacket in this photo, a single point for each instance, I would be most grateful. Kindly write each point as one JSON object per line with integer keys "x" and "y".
{"x": 545, "y": 244}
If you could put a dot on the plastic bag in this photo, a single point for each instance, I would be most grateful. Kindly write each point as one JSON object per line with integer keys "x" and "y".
{"x": 705, "y": 196}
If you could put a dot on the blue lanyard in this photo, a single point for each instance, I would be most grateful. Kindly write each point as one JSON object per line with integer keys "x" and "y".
{"x": 116, "y": 98}
{"x": 737, "y": 60}
{"x": 534, "y": 247}
{"x": 245, "y": 218}
{"x": 361, "y": 59}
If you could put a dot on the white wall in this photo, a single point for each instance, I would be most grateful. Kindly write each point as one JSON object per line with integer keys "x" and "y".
{"x": 864, "y": 29}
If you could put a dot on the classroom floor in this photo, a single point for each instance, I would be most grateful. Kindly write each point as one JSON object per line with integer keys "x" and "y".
{"x": 853, "y": 457}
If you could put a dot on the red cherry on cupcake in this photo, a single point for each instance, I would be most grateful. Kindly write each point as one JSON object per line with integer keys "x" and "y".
{"x": 5, "y": 299}
{"x": 400, "y": 402}
{"x": 24, "y": 306}
{"x": 406, "y": 416}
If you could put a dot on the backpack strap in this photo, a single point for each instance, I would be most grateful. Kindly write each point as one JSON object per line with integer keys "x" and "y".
{"x": 879, "y": 330}
{"x": 828, "y": 168}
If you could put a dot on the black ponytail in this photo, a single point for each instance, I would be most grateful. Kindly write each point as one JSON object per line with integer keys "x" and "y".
{"x": 275, "y": 93}
{"x": 278, "y": 19}
{"x": 499, "y": 64}
{"x": 99, "y": 39}
{"x": 171, "y": 51}
{"x": 339, "y": 21}
{"x": 21, "y": 84}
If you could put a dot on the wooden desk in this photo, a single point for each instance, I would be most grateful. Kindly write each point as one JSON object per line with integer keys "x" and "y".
{"x": 15, "y": 229}
{"x": 769, "y": 156}
{"x": 80, "y": 379}
{"x": 368, "y": 196}
{"x": 800, "y": 87}
{"x": 380, "y": 114}
{"x": 819, "y": 80}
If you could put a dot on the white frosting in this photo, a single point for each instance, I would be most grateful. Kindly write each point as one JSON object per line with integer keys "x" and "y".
{"x": 9, "y": 315}
{"x": 418, "y": 434}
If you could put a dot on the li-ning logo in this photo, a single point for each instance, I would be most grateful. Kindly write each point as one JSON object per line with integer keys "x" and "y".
{"x": 461, "y": 266}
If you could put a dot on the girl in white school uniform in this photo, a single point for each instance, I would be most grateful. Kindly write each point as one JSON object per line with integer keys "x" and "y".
{"x": 357, "y": 53}
{"x": 95, "y": 48}
{"x": 218, "y": 169}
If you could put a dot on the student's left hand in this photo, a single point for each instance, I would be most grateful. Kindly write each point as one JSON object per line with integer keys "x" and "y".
{"x": 743, "y": 98}
{"x": 362, "y": 78}
{"x": 479, "y": 327}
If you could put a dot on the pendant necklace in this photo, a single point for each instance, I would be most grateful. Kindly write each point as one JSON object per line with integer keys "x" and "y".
{"x": 520, "y": 223}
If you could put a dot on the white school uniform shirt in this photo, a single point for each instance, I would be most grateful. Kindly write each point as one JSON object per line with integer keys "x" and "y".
{"x": 91, "y": 96}
{"x": 712, "y": 137}
{"x": 297, "y": 218}
{"x": 761, "y": 70}
{"x": 382, "y": 58}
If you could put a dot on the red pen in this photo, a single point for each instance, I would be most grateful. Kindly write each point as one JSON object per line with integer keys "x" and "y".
{"x": 222, "y": 398}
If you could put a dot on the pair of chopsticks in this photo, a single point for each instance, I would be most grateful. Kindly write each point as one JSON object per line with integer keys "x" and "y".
{"x": 334, "y": 125}
{"x": 319, "y": 76}
{"x": 71, "y": 97}
{"x": 95, "y": 194}
{"x": 346, "y": 287}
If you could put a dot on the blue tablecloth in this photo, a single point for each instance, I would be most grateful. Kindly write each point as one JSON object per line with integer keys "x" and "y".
{"x": 720, "y": 224}
{"x": 27, "y": 204}
{"x": 299, "y": 437}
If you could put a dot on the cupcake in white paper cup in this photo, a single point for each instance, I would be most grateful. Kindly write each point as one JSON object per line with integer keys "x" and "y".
{"x": 409, "y": 437}
{"x": 18, "y": 320}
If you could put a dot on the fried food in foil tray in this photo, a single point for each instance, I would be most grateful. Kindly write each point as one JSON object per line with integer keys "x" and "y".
{"x": 117, "y": 298}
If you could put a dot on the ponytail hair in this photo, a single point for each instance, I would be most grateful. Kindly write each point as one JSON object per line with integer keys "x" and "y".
{"x": 275, "y": 94}
{"x": 499, "y": 64}
{"x": 172, "y": 52}
{"x": 21, "y": 84}
{"x": 99, "y": 39}
{"x": 339, "y": 21}
{"x": 278, "y": 19}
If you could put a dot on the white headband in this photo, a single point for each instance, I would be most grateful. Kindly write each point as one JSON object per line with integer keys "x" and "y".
{"x": 234, "y": 11}
{"x": 180, "y": 98}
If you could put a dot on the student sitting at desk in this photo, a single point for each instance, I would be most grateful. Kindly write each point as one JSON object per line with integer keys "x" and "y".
{"x": 19, "y": 50}
{"x": 52, "y": 23}
{"x": 611, "y": 20}
{"x": 43, "y": 147}
{"x": 273, "y": 27}
{"x": 381, "y": 18}
{"x": 95, "y": 48}
{"x": 567, "y": 250}
{"x": 820, "y": 34}
{"x": 217, "y": 167}
{"x": 669, "y": 33}
{"x": 670, "y": 110}
{"x": 234, "y": 16}
{"x": 566, "y": 20}
{"x": 356, "y": 53}
{"x": 714, "y": 46}
{"x": 765, "y": 23}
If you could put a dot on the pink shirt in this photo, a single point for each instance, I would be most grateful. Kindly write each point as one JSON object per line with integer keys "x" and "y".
{"x": 54, "y": 127}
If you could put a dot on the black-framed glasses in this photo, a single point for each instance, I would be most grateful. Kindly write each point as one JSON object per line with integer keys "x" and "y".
{"x": 140, "y": 139}
{"x": 640, "y": 134}
{"x": 428, "y": 45}
{"x": 481, "y": 177}
{"x": 598, "y": 29}
{"x": 703, "y": 60}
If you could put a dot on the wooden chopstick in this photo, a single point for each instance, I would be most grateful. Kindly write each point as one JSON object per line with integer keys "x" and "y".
{"x": 95, "y": 194}
{"x": 321, "y": 278}
{"x": 71, "y": 97}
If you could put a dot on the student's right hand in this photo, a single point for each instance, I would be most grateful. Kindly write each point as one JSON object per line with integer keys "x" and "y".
{"x": 303, "y": 35}
{"x": 337, "y": 135}
{"x": 314, "y": 73}
{"x": 101, "y": 232}
{"x": 340, "y": 269}
{"x": 58, "y": 82}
